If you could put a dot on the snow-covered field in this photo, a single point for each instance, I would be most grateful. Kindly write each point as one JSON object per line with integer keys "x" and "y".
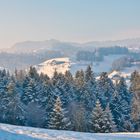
{"x": 11, "y": 132}
{"x": 48, "y": 67}
{"x": 62, "y": 64}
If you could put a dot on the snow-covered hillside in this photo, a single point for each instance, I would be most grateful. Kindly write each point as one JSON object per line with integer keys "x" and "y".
{"x": 11, "y": 132}
{"x": 62, "y": 64}
{"x": 115, "y": 75}
{"x": 59, "y": 64}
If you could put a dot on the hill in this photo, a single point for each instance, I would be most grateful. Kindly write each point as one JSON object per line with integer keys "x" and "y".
{"x": 52, "y": 44}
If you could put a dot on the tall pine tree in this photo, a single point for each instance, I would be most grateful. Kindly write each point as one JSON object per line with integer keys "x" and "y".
{"x": 58, "y": 118}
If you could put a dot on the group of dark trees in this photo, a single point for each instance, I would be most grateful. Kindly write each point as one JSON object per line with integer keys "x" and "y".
{"x": 89, "y": 56}
{"x": 113, "y": 50}
{"x": 121, "y": 63}
{"x": 98, "y": 54}
{"x": 66, "y": 102}
{"x": 132, "y": 59}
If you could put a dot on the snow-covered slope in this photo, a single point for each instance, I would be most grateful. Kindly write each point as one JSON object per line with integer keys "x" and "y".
{"x": 11, "y": 132}
{"x": 119, "y": 73}
{"x": 115, "y": 75}
{"x": 61, "y": 65}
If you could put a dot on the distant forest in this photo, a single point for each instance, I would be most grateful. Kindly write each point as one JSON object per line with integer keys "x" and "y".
{"x": 65, "y": 102}
{"x": 98, "y": 54}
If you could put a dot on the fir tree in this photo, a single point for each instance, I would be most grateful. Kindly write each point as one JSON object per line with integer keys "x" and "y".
{"x": 31, "y": 90}
{"x": 69, "y": 76}
{"x": 79, "y": 78}
{"x": 121, "y": 111}
{"x": 105, "y": 89}
{"x": 47, "y": 100}
{"x": 89, "y": 90}
{"x": 14, "y": 111}
{"x": 58, "y": 120}
{"x": 123, "y": 91}
{"x": 33, "y": 73}
{"x": 135, "y": 91}
{"x": 97, "y": 121}
{"x": 109, "y": 125}
{"x": 63, "y": 88}
{"x": 79, "y": 84}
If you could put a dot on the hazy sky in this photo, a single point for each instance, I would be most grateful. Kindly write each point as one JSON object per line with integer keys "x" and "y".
{"x": 68, "y": 20}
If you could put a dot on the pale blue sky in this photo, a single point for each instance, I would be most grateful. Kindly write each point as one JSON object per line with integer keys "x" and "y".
{"x": 68, "y": 20}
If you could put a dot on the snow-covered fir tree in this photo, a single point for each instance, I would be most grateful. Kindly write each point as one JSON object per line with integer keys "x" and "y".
{"x": 79, "y": 78}
{"x": 47, "y": 98}
{"x": 121, "y": 111}
{"x": 135, "y": 91}
{"x": 102, "y": 121}
{"x": 122, "y": 88}
{"x": 14, "y": 111}
{"x": 109, "y": 124}
{"x": 59, "y": 119}
{"x": 79, "y": 84}
{"x": 105, "y": 88}
{"x": 97, "y": 121}
{"x": 62, "y": 89}
{"x": 90, "y": 90}
{"x": 30, "y": 91}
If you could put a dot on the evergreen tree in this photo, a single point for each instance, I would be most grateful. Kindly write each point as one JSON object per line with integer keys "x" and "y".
{"x": 135, "y": 80}
{"x": 121, "y": 111}
{"x": 47, "y": 100}
{"x": 89, "y": 75}
{"x": 135, "y": 91}
{"x": 97, "y": 121}
{"x": 109, "y": 124}
{"x": 14, "y": 111}
{"x": 33, "y": 73}
{"x": 69, "y": 76}
{"x": 89, "y": 90}
{"x": 79, "y": 84}
{"x": 63, "y": 88}
{"x": 79, "y": 78}
{"x": 4, "y": 80}
{"x": 31, "y": 91}
{"x": 44, "y": 78}
{"x": 55, "y": 77}
{"x": 101, "y": 121}
{"x": 58, "y": 119}
{"x": 123, "y": 91}
{"x": 105, "y": 89}
{"x": 70, "y": 86}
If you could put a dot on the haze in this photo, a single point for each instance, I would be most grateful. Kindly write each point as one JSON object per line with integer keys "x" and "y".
{"x": 68, "y": 20}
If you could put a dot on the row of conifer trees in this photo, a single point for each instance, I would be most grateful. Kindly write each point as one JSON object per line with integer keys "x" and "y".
{"x": 66, "y": 102}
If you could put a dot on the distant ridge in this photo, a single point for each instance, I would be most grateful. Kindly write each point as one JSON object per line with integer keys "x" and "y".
{"x": 53, "y": 44}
